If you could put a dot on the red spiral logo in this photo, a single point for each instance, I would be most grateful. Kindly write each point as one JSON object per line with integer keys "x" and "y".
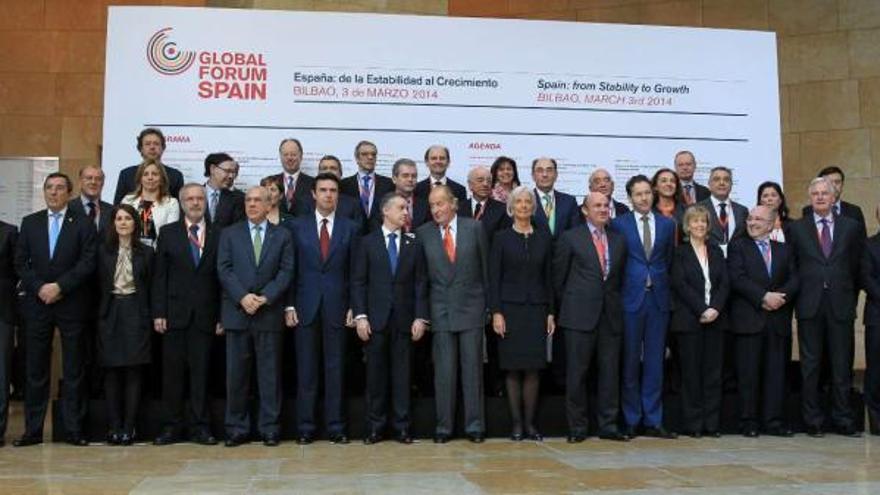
{"x": 164, "y": 56}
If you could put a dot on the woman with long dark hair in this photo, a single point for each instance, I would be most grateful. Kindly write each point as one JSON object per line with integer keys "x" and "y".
{"x": 124, "y": 271}
{"x": 668, "y": 198}
{"x": 504, "y": 177}
{"x": 770, "y": 195}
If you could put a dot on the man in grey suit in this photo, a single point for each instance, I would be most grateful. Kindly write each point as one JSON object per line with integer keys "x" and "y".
{"x": 456, "y": 250}
{"x": 255, "y": 267}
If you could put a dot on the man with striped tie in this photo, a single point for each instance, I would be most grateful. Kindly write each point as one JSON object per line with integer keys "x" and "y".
{"x": 685, "y": 166}
{"x": 366, "y": 185}
{"x": 297, "y": 184}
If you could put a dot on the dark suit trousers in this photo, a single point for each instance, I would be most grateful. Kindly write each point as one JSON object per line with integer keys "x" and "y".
{"x": 39, "y": 333}
{"x": 388, "y": 353}
{"x": 5, "y": 367}
{"x": 761, "y": 363}
{"x": 451, "y": 349}
{"x": 312, "y": 342}
{"x": 644, "y": 349}
{"x": 701, "y": 355}
{"x": 243, "y": 347}
{"x": 815, "y": 336}
{"x": 872, "y": 374}
{"x": 580, "y": 347}
{"x": 186, "y": 357}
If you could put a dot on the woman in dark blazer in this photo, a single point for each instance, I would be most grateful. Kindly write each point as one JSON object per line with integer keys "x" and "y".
{"x": 700, "y": 288}
{"x": 521, "y": 303}
{"x": 124, "y": 271}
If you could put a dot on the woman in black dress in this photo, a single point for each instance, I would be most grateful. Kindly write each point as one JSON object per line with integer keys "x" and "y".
{"x": 520, "y": 299}
{"x": 700, "y": 288}
{"x": 124, "y": 269}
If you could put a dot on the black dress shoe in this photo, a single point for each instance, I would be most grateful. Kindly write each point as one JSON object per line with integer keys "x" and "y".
{"x": 114, "y": 438}
{"x": 166, "y": 438}
{"x": 750, "y": 432}
{"x": 848, "y": 431}
{"x": 272, "y": 440}
{"x": 576, "y": 438}
{"x": 533, "y": 434}
{"x": 27, "y": 440}
{"x": 693, "y": 434}
{"x": 304, "y": 439}
{"x": 126, "y": 438}
{"x": 339, "y": 439}
{"x": 236, "y": 440}
{"x": 660, "y": 432}
{"x": 476, "y": 437}
{"x": 815, "y": 431}
{"x": 441, "y": 438}
{"x": 372, "y": 438}
{"x": 404, "y": 437}
{"x": 76, "y": 440}
{"x": 614, "y": 435}
{"x": 712, "y": 433}
{"x": 631, "y": 432}
{"x": 203, "y": 438}
{"x": 780, "y": 431}
{"x": 516, "y": 436}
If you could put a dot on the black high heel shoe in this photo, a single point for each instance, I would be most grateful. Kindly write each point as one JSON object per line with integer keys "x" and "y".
{"x": 127, "y": 438}
{"x": 114, "y": 438}
{"x": 534, "y": 434}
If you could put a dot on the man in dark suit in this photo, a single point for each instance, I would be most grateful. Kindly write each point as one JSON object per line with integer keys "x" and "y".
{"x": 89, "y": 203}
{"x": 55, "y": 260}
{"x": 389, "y": 299}
{"x": 225, "y": 206}
{"x": 455, "y": 251}
{"x": 764, "y": 282}
{"x": 324, "y": 244}
{"x": 297, "y": 184}
{"x": 491, "y": 213}
{"x": 8, "y": 282}
{"x": 870, "y": 267}
{"x": 589, "y": 260}
{"x": 601, "y": 181}
{"x": 437, "y": 159}
{"x": 255, "y": 267}
{"x": 151, "y": 146}
{"x": 727, "y": 217}
{"x": 405, "y": 175}
{"x": 366, "y": 185}
{"x": 556, "y": 210}
{"x": 650, "y": 240}
{"x": 685, "y": 166}
{"x": 840, "y": 208}
{"x": 347, "y": 207}
{"x": 186, "y": 307}
{"x": 828, "y": 251}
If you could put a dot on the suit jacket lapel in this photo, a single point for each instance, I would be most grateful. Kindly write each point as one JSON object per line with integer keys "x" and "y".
{"x": 66, "y": 229}
{"x": 382, "y": 249}
{"x": 335, "y": 238}
{"x": 435, "y": 238}
{"x": 634, "y": 228}
{"x": 248, "y": 236}
{"x": 267, "y": 240}
{"x": 314, "y": 243}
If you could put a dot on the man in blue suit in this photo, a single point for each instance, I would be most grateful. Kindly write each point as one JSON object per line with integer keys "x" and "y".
{"x": 649, "y": 241}
{"x": 557, "y": 210}
{"x": 255, "y": 266}
{"x": 324, "y": 244}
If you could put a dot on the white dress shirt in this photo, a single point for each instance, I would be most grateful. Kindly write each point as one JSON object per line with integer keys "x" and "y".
{"x": 330, "y": 219}
{"x": 731, "y": 218}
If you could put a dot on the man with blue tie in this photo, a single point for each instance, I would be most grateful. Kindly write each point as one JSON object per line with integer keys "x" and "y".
{"x": 645, "y": 292}
{"x": 255, "y": 266}
{"x": 389, "y": 299}
{"x": 556, "y": 210}
{"x": 323, "y": 244}
{"x": 225, "y": 205}
{"x": 828, "y": 251}
{"x": 366, "y": 185}
{"x": 55, "y": 260}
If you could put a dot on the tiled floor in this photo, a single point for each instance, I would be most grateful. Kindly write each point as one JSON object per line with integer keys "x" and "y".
{"x": 730, "y": 465}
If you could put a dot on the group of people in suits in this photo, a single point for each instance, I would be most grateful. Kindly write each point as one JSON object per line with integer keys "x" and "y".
{"x": 434, "y": 272}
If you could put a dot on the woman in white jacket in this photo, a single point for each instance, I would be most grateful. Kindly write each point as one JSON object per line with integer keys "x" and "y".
{"x": 152, "y": 201}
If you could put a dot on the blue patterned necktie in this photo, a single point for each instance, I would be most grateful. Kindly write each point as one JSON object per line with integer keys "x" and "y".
{"x": 365, "y": 194}
{"x": 194, "y": 245}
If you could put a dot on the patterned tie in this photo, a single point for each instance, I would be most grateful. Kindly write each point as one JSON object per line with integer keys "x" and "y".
{"x": 825, "y": 238}
{"x": 550, "y": 213}
{"x": 325, "y": 240}
{"x": 407, "y": 226}
{"x": 765, "y": 251}
{"x": 478, "y": 211}
{"x": 258, "y": 243}
{"x": 215, "y": 198}
{"x": 599, "y": 243}
{"x": 54, "y": 231}
{"x": 648, "y": 244}
{"x": 449, "y": 243}
{"x": 290, "y": 193}
{"x": 194, "y": 244}
{"x": 365, "y": 194}
{"x": 392, "y": 252}
{"x": 93, "y": 210}
{"x": 722, "y": 219}
{"x": 689, "y": 194}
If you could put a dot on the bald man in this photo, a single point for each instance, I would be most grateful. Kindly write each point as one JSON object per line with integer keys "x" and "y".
{"x": 601, "y": 181}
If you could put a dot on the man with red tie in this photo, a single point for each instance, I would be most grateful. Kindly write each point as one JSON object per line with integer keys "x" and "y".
{"x": 297, "y": 185}
{"x": 828, "y": 250}
{"x": 685, "y": 166}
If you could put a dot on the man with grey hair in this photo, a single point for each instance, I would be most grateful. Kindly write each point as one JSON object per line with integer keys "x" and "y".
{"x": 763, "y": 282}
{"x": 685, "y": 167}
{"x": 491, "y": 213}
{"x": 727, "y": 217}
{"x": 828, "y": 250}
{"x": 601, "y": 181}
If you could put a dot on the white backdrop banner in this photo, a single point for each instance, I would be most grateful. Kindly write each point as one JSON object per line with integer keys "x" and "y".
{"x": 590, "y": 95}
